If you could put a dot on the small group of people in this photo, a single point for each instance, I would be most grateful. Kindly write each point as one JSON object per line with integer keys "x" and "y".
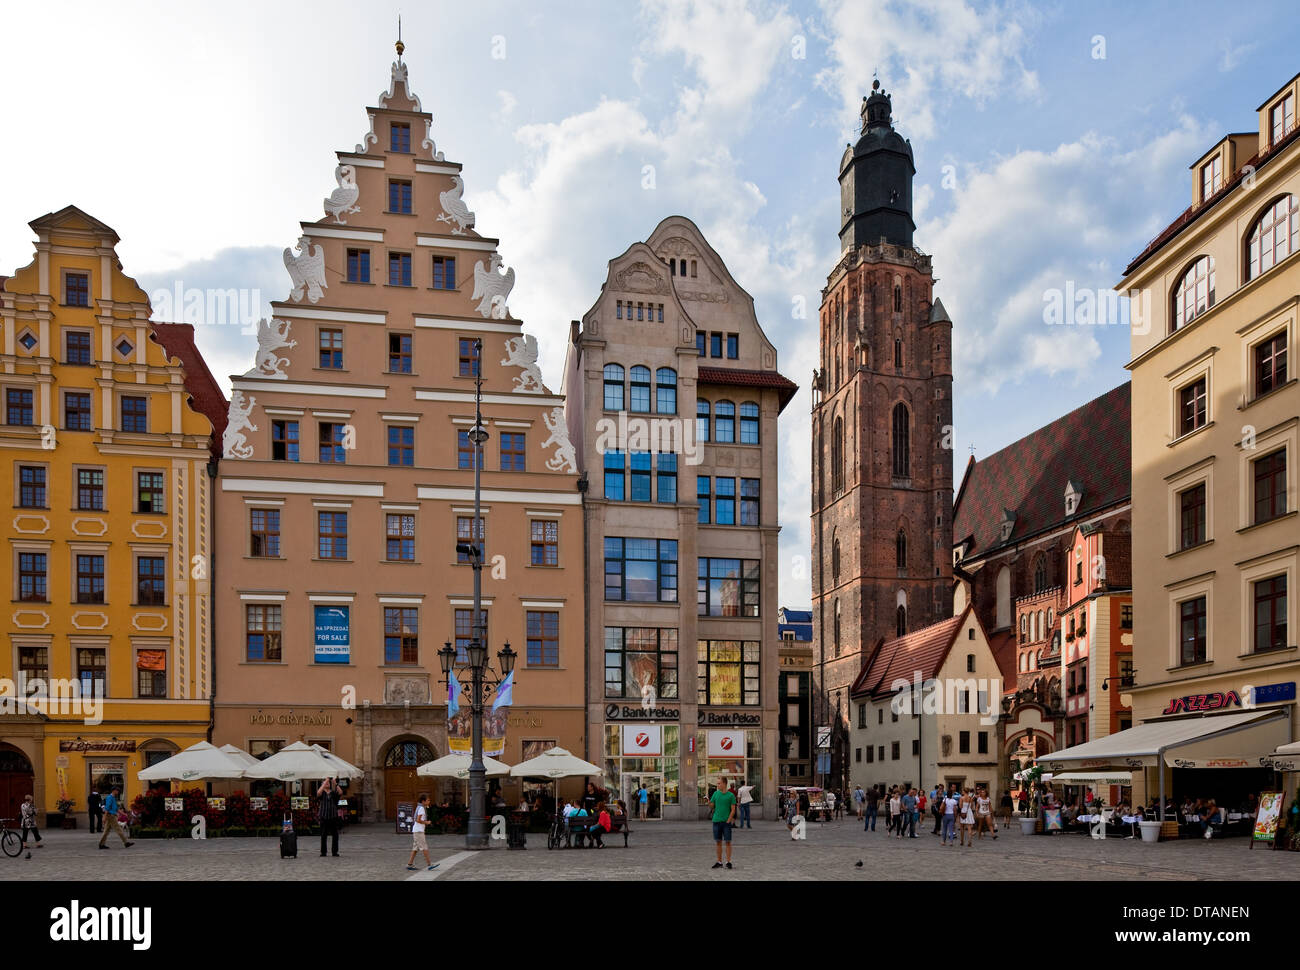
{"x": 963, "y": 813}
{"x": 604, "y": 825}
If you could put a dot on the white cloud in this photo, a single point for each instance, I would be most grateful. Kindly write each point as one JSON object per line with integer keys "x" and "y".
{"x": 507, "y": 102}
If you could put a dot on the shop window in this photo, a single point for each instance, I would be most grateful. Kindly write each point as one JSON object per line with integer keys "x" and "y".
{"x": 728, "y": 672}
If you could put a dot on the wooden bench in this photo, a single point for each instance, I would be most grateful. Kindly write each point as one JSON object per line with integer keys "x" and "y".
{"x": 581, "y": 825}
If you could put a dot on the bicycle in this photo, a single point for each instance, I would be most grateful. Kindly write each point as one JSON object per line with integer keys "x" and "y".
{"x": 10, "y": 841}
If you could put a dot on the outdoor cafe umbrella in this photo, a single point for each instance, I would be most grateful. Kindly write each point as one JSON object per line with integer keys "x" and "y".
{"x": 302, "y": 762}
{"x": 554, "y": 763}
{"x": 239, "y": 754}
{"x": 350, "y": 770}
{"x": 457, "y": 766}
{"x": 200, "y": 760}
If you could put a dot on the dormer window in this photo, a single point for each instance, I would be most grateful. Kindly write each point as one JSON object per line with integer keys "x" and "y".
{"x": 1211, "y": 177}
{"x": 1073, "y": 496}
{"x": 1281, "y": 118}
{"x": 1007, "y": 525}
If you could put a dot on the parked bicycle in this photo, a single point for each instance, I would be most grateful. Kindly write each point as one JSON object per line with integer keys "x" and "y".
{"x": 10, "y": 841}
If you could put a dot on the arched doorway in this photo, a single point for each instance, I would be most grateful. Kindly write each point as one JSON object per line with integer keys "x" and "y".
{"x": 401, "y": 783}
{"x": 17, "y": 780}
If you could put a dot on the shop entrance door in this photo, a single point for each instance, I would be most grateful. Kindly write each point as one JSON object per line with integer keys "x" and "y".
{"x": 653, "y": 783}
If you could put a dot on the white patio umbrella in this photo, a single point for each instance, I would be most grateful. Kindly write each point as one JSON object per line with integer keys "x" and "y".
{"x": 200, "y": 760}
{"x": 351, "y": 771}
{"x": 302, "y": 762}
{"x": 457, "y": 766}
{"x": 555, "y": 763}
{"x": 240, "y": 755}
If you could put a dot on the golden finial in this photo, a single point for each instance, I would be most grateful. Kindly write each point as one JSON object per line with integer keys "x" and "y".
{"x": 400, "y": 46}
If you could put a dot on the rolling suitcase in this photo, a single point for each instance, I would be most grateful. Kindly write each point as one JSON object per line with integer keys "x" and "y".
{"x": 288, "y": 841}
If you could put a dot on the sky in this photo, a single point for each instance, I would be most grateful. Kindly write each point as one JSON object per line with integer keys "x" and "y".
{"x": 1052, "y": 141}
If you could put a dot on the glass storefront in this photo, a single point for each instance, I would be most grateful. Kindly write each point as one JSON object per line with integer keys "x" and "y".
{"x": 620, "y": 765}
{"x": 723, "y": 757}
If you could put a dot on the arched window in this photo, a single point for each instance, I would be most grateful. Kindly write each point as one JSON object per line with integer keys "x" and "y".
{"x": 835, "y": 559}
{"x": 749, "y": 423}
{"x": 901, "y": 615}
{"x": 1024, "y": 627}
{"x": 639, "y": 398}
{"x": 693, "y": 270}
{"x": 408, "y": 754}
{"x": 1051, "y": 615}
{"x": 724, "y": 423}
{"x": 1004, "y": 597}
{"x": 900, "y": 549}
{"x": 666, "y": 390}
{"x": 837, "y": 628}
{"x": 837, "y": 455}
{"x": 613, "y": 387}
{"x": 1042, "y": 630}
{"x": 1274, "y": 236}
{"x": 1024, "y": 663}
{"x": 701, "y": 420}
{"x": 1194, "y": 293}
{"x": 898, "y": 298}
{"x": 902, "y": 456}
{"x": 898, "y": 353}
{"x": 1040, "y": 574}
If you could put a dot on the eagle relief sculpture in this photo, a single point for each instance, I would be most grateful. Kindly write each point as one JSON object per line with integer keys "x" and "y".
{"x": 271, "y": 336}
{"x": 565, "y": 458}
{"x": 454, "y": 210}
{"x": 492, "y": 287}
{"x": 521, "y": 351}
{"x": 234, "y": 443}
{"x": 342, "y": 201}
{"x": 307, "y": 269}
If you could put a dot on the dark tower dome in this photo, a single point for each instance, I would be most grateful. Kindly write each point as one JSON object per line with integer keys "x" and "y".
{"x": 876, "y": 180}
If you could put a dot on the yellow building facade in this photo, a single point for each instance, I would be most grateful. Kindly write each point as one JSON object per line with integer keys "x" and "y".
{"x": 106, "y": 663}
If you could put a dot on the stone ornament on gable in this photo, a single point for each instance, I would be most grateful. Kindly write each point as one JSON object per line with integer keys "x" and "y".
{"x": 234, "y": 443}
{"x": 521, "y": 352}
{"x": 565, "y": 458}
{"x": 454, "y": 210}
{"x": 307, "y": 270}
{"x": 342, "y": 200}
{"x": 703, "y": 296}
{"x": 492, "y": 288}
{"x": 640, "y": 278}
{"x": 403, "y": 690}
{"x": 271, "y": 336}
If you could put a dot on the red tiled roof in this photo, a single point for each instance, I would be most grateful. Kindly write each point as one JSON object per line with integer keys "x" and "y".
{"x": 177, "y": 339}
{"x": 750, "y": 378}
{"x": 921, "y": 651}
{"x": 1003, "y": 646}
{"x": 1089, "y": 446}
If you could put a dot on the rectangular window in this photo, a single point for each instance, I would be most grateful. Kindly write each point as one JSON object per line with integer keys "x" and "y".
{"x": 463, "y": 526}
{"x": 724, "y": 423}
{"x": 894, "y": 751}
{"x": 1126, "y": 616}
{"x": 332, "y": 535}
{"x": 399, "y": 530}
{"x": 399, "y": 196}
{"x": 284, "y": 440}
{"x": 1282, "y": 118}
{"x": 615, "y": 476}
{"x": 1270, "y": 364}
{"x": 31, "y": 487}
{"x": 401, "y": 635}
{"x": 90, "y": 579}
{"x": 32, "y": 577}
{"x": 543, "y": 629}
{"x": 1270, "y": 486}
{"x": 151, "y": 673}
{"x": 150, "y": 581}
{"x": 641, "y": 570}
{"x": 135, "y": 414}
{"x": 399, "y": 269}
{"x": 399, "y": 353}
{"x": 715, "y": 345}
{"x": 512, "y": 452}
{"x": 76, "y": 411}
{"x": 90, "y": 489}
{"x": 76, "y": 348}
{"x": 1191, "y": 503}
{"x": 469, "y": 357}
{"x": 728, "y": 672}
{"x": 1191, "y": 631}
{"x": 401, "y": 445}
{"x": 399, "y": 137}
{"x": 983, "y": 747}
{"x": 544, "y": 537}
{"x": 728, "y": 587}
{"x": 733, "y": 346}
{"x": 92, "y": 671}
{"x": 704, "y": 496}
{"x": 1270, "y": 614}
{"x": 331, "y": 349}
{"x": 262, "y": 634}
{"x": 466, "y": 451}
{"x": 331, "y": 443}
{"x": 666, "y": 478}
{"x": 640, "y": 484}
{"x": 749, "y": 423}
{"x": 963, "y": 742}
{"x": 724, "y": 501}
{"x": 18, "y": 407}
{"x": 749, "y": 501}
{"x": 701, "y": 339}
{"x": 76, "y": 289}
{"x": 1191, "y": 407}
{"x": 1211, "y": 177}
{"x": 149, "y": 493}
{"x": 34, "y": 663}
{"x": 916, "y": 747}
{"x": 264, "y": 533}
{"x": 871, "y": 754}
{"x": 358, "y": 266}
{"x": 466, "y": 633}
{"x": 640, "y": 657}
{"x": 444, "y": 272}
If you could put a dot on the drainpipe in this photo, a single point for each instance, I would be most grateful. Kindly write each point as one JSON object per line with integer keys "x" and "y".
{"x": 586, "y": 623}
{"x": 212, "y": 599}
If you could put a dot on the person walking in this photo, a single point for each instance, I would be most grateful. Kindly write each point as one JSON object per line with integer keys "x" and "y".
{"x": 111, "y": 808}
{"x": 936, "y": 806}
{"x": 745, "y": 796}
{"x": 791, "y": 813}
{"x": 896, "y": 813}
{"x": 859, "y": 798}
{"x": 908, "y": 805}
{"x": 984, "y": 814}
{"x": 724, "y": 815}
{"x": 418, "y": 841}
{"x": 28, "y": 822}
{"x": 643, "y": 801}
{"x": 919, "y": 812}
{"x": 966, "y": 819}
{"x": 327, "y": 808}
{"x": 872, "y": 807}
{"x": 831, "y": 801}
{"x": 1005, "y": 808}
{"x": 949, "y": 807}
{"x": 95, "y": 809}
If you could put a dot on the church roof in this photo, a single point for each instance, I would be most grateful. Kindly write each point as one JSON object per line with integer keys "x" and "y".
{"x": 920, "y": 652}
{"x": 1089, "y": 446}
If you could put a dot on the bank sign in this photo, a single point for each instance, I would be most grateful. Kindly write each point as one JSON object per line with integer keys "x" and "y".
{"x": 333, "y": 634}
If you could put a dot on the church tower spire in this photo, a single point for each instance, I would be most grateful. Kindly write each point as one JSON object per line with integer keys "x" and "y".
{"x": 876, "y": 179}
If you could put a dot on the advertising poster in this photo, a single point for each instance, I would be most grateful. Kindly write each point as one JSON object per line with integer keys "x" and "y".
{"x": 1052, "y": 820}
{"x": 1270, "y": 807}
{"x": 217, "y": 804}
{"x": 405, "y": 816}
{"x": 460, "y": 731}
{"x": 333, "y": 634}
{"x": 299, "y": 803}
{"x": 258, "y": 804}
{"x": 643, "y": 740}
{"x": 174, "y": 804}
{"x": 726, "y": 744}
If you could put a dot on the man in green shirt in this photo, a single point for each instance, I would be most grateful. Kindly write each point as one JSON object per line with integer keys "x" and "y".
{"x": 724, "y": 814}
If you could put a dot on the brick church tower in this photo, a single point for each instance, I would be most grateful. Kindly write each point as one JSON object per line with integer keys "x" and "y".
{"x": 881, "y": 442}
